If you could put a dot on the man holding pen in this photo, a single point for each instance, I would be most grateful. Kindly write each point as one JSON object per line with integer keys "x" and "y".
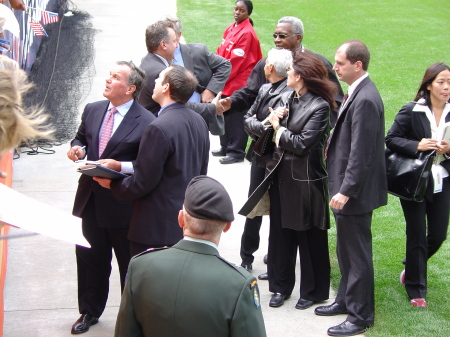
{"x": 110, "y": 133}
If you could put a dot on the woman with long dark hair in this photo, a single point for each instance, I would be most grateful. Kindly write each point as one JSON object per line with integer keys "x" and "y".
{"x": 421, "y": 126}
{"x": 299, "y": 213}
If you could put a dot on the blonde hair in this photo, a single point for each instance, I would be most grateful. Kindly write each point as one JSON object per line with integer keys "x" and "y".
{"x": 16, "y": 125}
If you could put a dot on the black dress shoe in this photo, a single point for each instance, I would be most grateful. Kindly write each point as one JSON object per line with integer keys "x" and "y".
{"x": 83, "y": 323}
{"x": 263, "y": 277}
{"x": 265, "y": 259}
{"x": 303, "y": 304}
{"x": 330, "y": 310}
{"x": 246, "y": 266}
{"x": 230, "y": 160}
{"x": 219, "y": 153}
{"x": 277, "y": 300}
{"x": 346, "y": 329}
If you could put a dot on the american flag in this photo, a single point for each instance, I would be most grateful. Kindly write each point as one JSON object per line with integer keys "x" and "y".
{"x": 38, "y": 29}
{"x": 49, "y": 17}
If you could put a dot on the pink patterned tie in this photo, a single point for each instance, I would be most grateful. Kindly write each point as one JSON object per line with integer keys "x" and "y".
{"x": 106, "y": 130}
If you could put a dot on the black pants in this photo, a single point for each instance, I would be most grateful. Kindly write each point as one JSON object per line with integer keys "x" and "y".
{"x": 234, "y": 141}
{"x": 354, "y": 252}
{"x": 314, "y": 257}
{"x": 94, "y": 264}
{"x": 250, "y": 236}
{"x": 426, "y": 230}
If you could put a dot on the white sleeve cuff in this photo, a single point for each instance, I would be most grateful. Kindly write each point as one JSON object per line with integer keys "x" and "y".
{"x": 127, "y": 167}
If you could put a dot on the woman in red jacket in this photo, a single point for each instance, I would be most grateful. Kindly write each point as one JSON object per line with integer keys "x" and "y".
{"x": 241, "y": 46}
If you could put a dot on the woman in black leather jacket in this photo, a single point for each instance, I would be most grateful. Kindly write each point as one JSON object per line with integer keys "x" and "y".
{"x": 278, "y": 60}
{"x": 299, "y": 213}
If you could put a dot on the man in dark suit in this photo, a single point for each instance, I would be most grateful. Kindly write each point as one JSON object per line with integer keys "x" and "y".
{"x": 161, "y": 41}
{"x": 174, "y": 149}
{"x": 193, "y": 282}
{"x": 357, "y": 182}
{"x": 211, "y": 70}
{"x": 105, "y": 221}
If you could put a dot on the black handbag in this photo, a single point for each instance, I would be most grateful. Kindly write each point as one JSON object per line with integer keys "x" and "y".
{"x": 264, "y": 144}
{"x": 408, "y": 177}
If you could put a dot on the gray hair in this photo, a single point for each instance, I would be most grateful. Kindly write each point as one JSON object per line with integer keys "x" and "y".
{"x": 280, "y": 59}
{"x": 297, "y": 24}
{"x": 175, "y": 24}
{"x": 136, "y": 76}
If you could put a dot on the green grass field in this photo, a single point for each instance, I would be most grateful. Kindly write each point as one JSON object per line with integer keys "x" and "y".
{"x": 404, "y": 38}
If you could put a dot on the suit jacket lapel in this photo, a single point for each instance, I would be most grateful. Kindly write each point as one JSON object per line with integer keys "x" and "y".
{"x": 188, "y": 59}
{"x": 128, "y": 124}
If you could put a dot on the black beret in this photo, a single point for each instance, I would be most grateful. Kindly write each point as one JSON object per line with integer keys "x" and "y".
{"x": 206, "y": 198}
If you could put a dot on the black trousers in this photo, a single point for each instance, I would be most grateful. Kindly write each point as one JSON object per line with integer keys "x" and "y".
{"x": 250, "y": 236}
{"x": 234, "y": 141}
{"x": 314, "y": 257}
{"x": 354, "y": 252}
{"x": 94, "y": 264}
{"x": 426, "y": 230}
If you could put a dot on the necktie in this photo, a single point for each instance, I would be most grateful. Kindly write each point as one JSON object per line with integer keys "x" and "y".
{"x": 106, "y": 130}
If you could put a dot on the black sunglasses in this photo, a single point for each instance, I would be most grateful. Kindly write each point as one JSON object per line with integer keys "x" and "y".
{"x": 281, "y": 35}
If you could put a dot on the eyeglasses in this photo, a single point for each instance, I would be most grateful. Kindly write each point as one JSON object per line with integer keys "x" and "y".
{"x": 281, "y": 35}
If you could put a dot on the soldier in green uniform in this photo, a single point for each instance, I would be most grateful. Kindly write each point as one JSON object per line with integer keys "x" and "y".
{"x": 188, "y": 289}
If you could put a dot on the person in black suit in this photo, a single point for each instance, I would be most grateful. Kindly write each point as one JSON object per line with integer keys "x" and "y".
{"x": 224, "y": 297}
{"x": 421, "y": 126}
{"x": 162, "y": 41}
{"x": 358, "y": 185}
{"x": 211, "y": 70}
{"x": 105, "y": 221}
{"x": 174, "y": 149}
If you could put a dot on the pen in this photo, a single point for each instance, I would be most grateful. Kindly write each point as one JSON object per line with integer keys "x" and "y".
{"x": 81, "y": 148}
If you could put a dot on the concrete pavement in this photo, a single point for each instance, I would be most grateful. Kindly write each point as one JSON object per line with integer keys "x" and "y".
{"x": 41, "y": 286}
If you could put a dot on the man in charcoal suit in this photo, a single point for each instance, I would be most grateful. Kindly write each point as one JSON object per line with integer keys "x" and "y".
{"x": 358, "y": 185}
{"x": 105, "y": 221}
{"x": 174, "y": 149}
{"x": 162, "y": 41}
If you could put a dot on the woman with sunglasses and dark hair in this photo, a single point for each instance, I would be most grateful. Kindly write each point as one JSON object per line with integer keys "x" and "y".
{"x": 420, "y": 126}
{"x": 241, "y": 46}
{"x": 299, "y": 212}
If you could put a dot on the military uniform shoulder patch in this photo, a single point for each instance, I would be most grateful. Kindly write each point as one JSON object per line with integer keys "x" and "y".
{"x": 254, "y": 288}
{"x": 150, "y": 250}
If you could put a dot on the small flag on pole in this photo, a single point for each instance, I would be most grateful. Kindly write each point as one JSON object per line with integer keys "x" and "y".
{"x": 38, "y": 29}
{"x": 49, "y": 17}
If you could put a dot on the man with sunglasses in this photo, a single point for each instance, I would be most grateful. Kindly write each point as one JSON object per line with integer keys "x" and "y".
{"x": 288, "y": 34}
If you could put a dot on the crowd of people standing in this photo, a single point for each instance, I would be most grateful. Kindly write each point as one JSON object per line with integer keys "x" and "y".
{"x": 328, "y": 154}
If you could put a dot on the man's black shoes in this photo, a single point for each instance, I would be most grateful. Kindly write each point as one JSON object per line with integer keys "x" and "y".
{"x": 346, "y": 329}
{"x": 83, "y": 323}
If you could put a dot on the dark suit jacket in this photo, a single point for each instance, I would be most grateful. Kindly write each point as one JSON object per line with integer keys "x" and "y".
{"x": 355, "y": 163}
{"x": 123, "y": 146}
{"x": 211, "y": 70}
{"x": 152, "y": 65}
{"x": 188, "y": 290}
{"x": 174, "y": 149}
{"x": 410, "y": 126}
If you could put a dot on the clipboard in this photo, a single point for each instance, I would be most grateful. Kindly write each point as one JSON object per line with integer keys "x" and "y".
{"x": 97, "y": 170}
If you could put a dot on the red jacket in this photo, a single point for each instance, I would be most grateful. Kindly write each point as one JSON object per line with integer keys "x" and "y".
{"x": 241, "y": 46}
